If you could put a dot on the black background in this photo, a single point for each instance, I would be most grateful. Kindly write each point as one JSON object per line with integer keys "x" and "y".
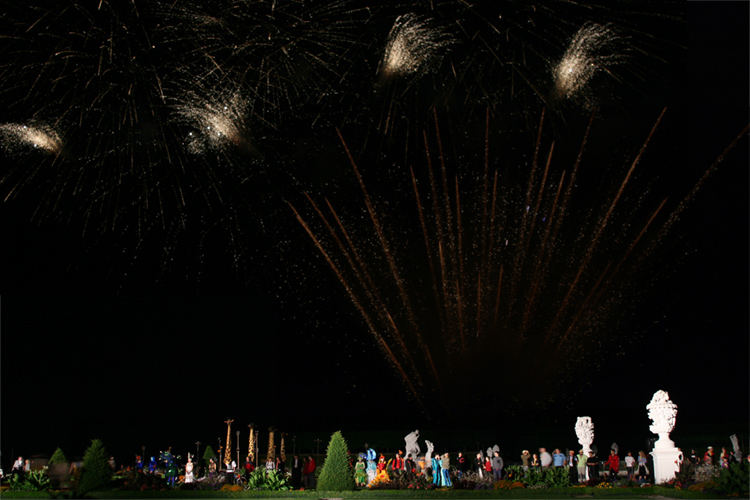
{"x": 161, "y": 357}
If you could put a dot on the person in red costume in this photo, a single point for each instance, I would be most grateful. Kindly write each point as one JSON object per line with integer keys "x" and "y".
{"x": 613, "y": 461}
{"x": 398, "y": 462}
{"x": 307, "y": 472}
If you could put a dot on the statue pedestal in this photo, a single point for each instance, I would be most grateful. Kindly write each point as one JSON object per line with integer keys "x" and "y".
{"x": 665, "y": 463}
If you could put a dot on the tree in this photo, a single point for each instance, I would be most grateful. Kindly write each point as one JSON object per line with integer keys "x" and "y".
{"x": 336, "y": 474}
{"x": 96, "y": 471}
{"x": 208, "y": 454}
{"x": 58, "y": 457}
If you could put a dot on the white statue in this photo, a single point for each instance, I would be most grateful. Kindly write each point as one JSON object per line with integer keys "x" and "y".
{"x": 491, "y": 451}
{"x": 428, "y": 454}
{"x": 585, "y": 432}
{"x": 662, "y": 412}
{"x": 412, "y": 446}
{"x": 736, "y": 445}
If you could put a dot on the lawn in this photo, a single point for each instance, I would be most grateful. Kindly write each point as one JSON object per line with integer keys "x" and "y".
{"x": 650, "y": 492}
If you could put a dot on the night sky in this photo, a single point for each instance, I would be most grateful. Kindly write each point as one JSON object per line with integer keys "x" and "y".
{"x": 153, "y": 284}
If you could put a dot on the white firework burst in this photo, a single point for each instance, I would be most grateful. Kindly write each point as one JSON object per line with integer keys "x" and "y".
{"x": 415, "y": 45}
{"x": 17, "y": 136}
{"x": 215, "y": 122}
{"x": 593, "y": 49}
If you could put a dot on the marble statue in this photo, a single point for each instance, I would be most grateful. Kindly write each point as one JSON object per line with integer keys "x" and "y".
{"x": 412, "y": 446}
{"x": 663, "y": 412}
{"x": 428, "y": 454}
{"x": 585, "y": 432}
{"x": 736, "y": 446}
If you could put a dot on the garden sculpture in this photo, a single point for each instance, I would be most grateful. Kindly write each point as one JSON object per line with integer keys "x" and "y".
{"x": 663, "y": 412}
{"x": 412, "y": 446}
{"x": 585, "y": 432}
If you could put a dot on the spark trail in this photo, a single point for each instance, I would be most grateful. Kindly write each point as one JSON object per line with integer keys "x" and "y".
{"x": 438, "y": 319}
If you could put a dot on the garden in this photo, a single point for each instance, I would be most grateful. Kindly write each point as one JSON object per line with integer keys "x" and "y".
{"x": 336, "y": 479}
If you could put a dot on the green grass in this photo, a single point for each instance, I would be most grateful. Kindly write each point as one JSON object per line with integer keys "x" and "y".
{"x": 651, "y": 492}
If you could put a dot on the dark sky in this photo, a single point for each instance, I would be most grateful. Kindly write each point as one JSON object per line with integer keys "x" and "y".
{"x": 156, "y": 339}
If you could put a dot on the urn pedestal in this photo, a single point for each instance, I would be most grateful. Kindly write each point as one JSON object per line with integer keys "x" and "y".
{"x": 663, "y": 412}
{"x": 665, "y": 463}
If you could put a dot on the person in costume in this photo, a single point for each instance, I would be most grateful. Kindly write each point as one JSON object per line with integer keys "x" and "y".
{"x": 409, "y": 465}
{"x": 445, "y": 464}
{"x": 372, "y": 467}
{"x": 360, "y": 472}
{"x": 461, "y": 464}
{"x": 189, "y": 477}
{"x": 249, "y": 467}
{"x": 437, "y": 478}
{"x": 171, "y": 467}
{"x": 152, "y": 466}
{"x": 398, "y": 462}
{"x": 382, "y": 474}
{"x": 138, "y": 463}
{"x": 479, "y": 465}
{"x": 211, "y": 468}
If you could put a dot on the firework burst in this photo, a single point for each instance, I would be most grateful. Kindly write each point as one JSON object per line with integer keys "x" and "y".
{"x": 16, "y": 137}
{"x": 594, "y": 49}
{"x": 516, "y": 275}
{"x": 415, "y": 45}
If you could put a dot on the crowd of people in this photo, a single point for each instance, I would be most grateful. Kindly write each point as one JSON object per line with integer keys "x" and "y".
{"x": 370, "y": 467}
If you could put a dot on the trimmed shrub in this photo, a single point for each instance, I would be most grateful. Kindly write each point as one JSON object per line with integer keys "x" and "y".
{"x": 96, "y": 471}
{"x": 58, "y": 457}
{"x": 336, "y": 474}
{"x": 208, "y": 454}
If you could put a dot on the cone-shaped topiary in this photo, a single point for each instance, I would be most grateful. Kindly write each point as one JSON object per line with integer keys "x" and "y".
{"x": 58, "y": 457}
{"x": 208, "y": 454}
{"x": 336, "y": 474}
{"x": 96, "y": 471}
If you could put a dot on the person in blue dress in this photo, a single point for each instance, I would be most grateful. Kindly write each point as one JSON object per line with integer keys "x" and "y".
{"x": 437, "y": 476}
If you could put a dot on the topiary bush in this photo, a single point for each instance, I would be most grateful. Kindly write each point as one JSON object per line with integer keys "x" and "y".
{"x": 336, "y": 474}
{"x": 96, "y": 471}
{"x": 58, "y": 457}
{"x": 208, "y": 454}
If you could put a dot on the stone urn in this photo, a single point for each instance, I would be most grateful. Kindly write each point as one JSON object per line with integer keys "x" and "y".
{"x": 663, "y": 412}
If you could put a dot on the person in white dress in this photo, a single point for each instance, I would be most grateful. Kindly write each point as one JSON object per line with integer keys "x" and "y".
{"x": 189, "y": 477}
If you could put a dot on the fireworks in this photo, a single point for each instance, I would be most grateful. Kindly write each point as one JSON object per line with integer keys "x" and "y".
{"x": 502, "y": 280}
{"x": 592, "y": 50}
{"x": 213, "y": 124}
{"x": 41, "y": 137}
{"x": 414, "y": 45}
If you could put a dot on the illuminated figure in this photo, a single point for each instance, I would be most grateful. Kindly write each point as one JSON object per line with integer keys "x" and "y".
{"x": 360, "y": 474}
{"x": 371, "y": 466}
